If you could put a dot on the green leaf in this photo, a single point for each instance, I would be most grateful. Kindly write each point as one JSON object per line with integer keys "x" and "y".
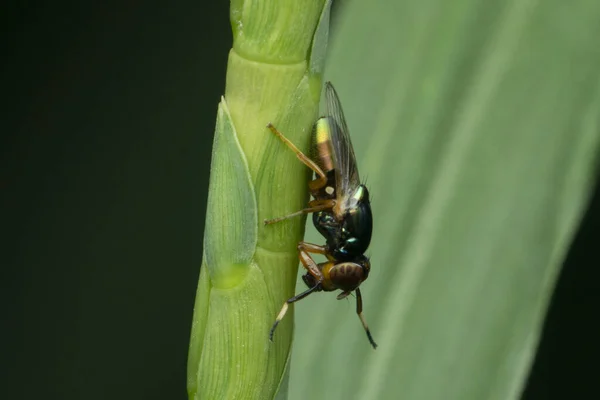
{"x": 476, "y": 125}
{"x": 231, "y": 213}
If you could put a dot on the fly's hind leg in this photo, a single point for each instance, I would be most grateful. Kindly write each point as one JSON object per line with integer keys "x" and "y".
{"x": 311, "y": 266}
{"x": 285, "y": 307}
{"x": 362, "y": 318}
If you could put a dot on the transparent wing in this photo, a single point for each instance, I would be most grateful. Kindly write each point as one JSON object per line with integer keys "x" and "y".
{"x": 346, "y": 172}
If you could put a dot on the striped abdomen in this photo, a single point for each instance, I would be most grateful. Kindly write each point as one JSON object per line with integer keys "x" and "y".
{"x": 322, "y": 152}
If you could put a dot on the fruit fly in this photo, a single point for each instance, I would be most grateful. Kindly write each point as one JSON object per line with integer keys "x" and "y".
{"x": 341, "y": 212}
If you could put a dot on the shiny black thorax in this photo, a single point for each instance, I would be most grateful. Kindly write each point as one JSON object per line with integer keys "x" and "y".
{"x": 349, "y": 237}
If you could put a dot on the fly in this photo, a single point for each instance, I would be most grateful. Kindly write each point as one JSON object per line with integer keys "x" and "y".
{"x": 341, "y": 212}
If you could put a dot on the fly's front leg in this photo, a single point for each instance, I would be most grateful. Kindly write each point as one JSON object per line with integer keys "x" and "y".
{"x": 311, "y": 266}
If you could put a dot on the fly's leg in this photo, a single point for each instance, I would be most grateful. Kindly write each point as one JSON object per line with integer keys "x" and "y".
{"x": 311, "y": 266}
{"x": 362, "y": 318}
{"x": 313, "y": 206}
{"x": 286, "y": 305}
{"x": 318, "y": 183}
{"x": 314, "y": 185}
{"x": 314, "y": 249}
{"x": 343, "y": 295}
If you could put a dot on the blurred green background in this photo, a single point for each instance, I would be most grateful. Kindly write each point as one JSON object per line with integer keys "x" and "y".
{"x": 105, "y": 152}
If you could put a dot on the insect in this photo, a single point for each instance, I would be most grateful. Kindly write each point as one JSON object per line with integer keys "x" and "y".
{"x": 341, "y": 212}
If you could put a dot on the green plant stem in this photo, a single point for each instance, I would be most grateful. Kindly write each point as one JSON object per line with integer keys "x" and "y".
{"x": 273, "y": 75}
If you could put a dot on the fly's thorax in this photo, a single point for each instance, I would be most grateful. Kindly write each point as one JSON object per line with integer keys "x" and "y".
{"x": 328, "y": 226}
{"x": 349, "y": 236}
{"x": 356, "y": 226}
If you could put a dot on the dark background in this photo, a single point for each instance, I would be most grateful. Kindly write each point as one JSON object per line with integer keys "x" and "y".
{"x": 107, "y": 131}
